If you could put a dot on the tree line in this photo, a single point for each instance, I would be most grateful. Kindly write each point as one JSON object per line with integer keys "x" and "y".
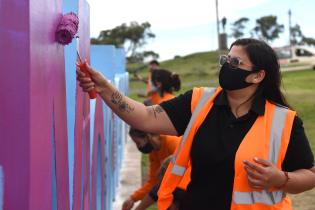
{"x": 267, "y": 28}
{"x": 134, "y": 36}
{"x": 131, "y": 37}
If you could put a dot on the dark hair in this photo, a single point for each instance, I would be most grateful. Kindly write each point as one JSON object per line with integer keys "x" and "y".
{"x": 133, "y": 132}
{"x": 169, "y": 81}
{"x": 264, "y": 57}
{"x": 154, "y": 62}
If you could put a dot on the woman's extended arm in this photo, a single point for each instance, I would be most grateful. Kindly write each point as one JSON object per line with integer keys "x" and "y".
{"x": 151, "y": 119}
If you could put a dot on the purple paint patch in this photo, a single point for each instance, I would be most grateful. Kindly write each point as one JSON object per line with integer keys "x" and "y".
{"x": 67, "y": 28}
{"x": 1, "y": 188}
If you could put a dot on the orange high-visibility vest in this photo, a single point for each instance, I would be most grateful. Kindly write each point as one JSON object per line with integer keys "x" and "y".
{"x": 153, "y": 97}
{"x": 149, "y": 83}
{"x": 159, "y": 99}
{"x": 268, "y": 139}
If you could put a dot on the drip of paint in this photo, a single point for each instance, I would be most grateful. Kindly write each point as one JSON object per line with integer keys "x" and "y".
{"x": 67, "y": 28}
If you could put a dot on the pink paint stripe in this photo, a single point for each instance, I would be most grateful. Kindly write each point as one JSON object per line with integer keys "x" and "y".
{"x": 1, "y": 187}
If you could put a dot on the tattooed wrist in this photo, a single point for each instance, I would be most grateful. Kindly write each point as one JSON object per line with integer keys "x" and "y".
{"x": 117, "y": 99}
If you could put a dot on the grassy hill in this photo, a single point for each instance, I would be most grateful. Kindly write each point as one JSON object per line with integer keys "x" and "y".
{"x": 201, "y": 69}
{"x": 197, "y": 69}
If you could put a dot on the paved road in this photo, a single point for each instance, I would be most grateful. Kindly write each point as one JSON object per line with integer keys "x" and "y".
{"x": 130, "y": 174}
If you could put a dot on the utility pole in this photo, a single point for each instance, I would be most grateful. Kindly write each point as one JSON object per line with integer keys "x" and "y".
{"x": 218, "y": 27}
{"x": 290, "y": 38}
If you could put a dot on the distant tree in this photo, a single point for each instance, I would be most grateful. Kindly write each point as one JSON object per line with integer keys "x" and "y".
{"x": 268, "y": 28}
{"x": 308, "y": 41}
{"x": 132, "y": 37}
{"x": 238, "y": 27}
{"x": 153, "y": 55}
{"x": 296, "y": 34}
{"x": 139, "y": 57}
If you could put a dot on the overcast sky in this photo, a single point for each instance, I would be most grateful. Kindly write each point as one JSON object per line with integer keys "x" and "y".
{"x": 187, "y": 26}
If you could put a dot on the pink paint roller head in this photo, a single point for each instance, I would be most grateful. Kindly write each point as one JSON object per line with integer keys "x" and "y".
{"x": 67, "y": 28}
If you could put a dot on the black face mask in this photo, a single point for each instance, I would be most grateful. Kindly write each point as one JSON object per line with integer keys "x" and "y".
{"x": 233, "y": 79}
{"x": 147, "y": 148}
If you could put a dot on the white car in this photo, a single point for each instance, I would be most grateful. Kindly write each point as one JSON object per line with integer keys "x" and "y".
{"x": 296, "y": 58}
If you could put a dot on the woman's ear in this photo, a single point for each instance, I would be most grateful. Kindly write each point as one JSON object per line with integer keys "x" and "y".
{"x": 257, "y": 77}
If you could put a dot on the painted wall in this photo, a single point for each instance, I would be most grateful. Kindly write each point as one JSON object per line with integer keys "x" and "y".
{"x": 15, "y": 103}
{"x": 111, "y": 62}
{"x": 59, "y": 150}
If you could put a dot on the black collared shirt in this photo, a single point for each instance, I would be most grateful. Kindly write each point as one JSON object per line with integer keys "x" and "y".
{"x": 215, "y": 145}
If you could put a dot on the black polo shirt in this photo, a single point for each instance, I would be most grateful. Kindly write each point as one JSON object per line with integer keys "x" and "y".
{"x": 215, "y": 145}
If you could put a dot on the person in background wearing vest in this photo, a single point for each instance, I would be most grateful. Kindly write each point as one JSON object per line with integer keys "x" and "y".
{"x": 165, "y": 82}
{"x": 245, "y": 146}
{"x": 152, "y": 197}
{"x": 158, "y": 148}
{"x": 151, "y": 93}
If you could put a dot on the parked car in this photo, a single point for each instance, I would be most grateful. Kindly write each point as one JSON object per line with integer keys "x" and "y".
{"x": 296, "y": 57}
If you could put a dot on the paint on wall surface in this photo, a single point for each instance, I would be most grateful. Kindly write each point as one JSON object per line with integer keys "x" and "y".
{"x": 63, "y": 143}
{"x": 1, "y": 187}
{"x": 15, "y": 102}
{"x": 53, "y": 165}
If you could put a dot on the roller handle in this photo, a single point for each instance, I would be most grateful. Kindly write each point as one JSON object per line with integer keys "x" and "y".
{"x": 83, "y": 67}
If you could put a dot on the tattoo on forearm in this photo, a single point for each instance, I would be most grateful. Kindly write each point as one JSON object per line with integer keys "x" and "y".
{"x": 157, "y": 110}
{"x": 117, "y": 99}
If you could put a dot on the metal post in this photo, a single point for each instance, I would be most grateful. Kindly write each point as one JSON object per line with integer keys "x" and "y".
{"x": 290, "y": 38}
{"x": 218, "y": 22}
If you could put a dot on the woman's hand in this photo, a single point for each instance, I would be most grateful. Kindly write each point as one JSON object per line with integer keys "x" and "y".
{"x": 263, "y": 174}
{"x": 128, "y": 204}
{"x": 97, "y": 80}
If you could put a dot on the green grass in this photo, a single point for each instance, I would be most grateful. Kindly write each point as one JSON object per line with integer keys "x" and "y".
{"x": 200, "y": 69}
{"x": 299, "y": 87}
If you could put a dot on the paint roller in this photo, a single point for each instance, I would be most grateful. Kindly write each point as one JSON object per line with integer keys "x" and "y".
{"x": 66, "y": 31}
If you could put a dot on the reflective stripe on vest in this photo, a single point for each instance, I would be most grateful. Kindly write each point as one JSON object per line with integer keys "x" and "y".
{"x": 266, "y": 197}
{"x": 277, "y": 127}
{"x": 208, "y": 92}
